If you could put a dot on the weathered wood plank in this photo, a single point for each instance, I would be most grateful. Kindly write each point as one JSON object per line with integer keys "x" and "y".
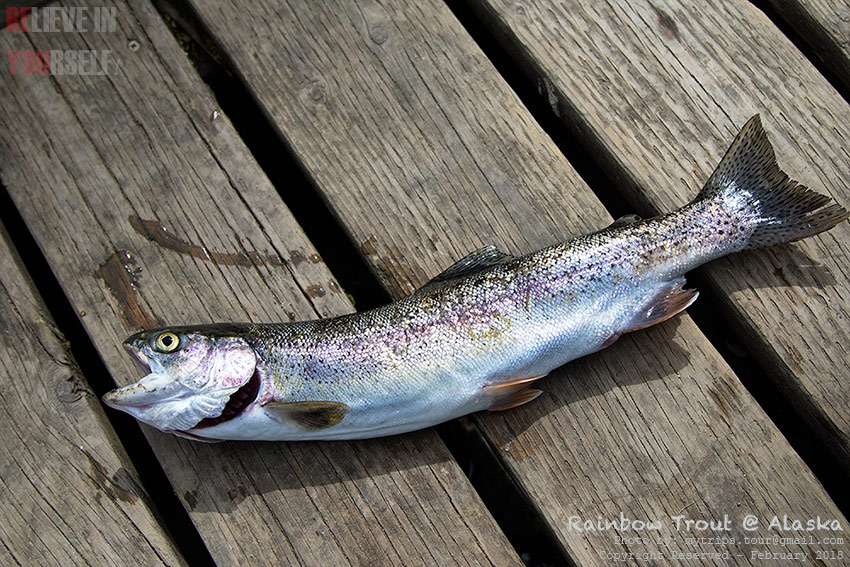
{"x": 660, "y": 90}
{"x": 149, "y": 208}
{"x": 425, "y": 154}
{"x": 69, "y": 494}
{"x": 825, "y": 27}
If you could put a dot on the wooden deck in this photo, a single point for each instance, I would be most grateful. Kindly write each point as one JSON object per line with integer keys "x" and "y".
{"x": 419, "y": 136}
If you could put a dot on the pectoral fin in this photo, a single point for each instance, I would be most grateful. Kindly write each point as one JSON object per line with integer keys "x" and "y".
{"x": 193, "y": 437}
{"x": 309, "y": 416}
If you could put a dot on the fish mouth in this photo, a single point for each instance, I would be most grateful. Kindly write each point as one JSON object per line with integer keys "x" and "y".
{"x": 165, "y": 403}
{"x": 238, "y": 402}
{"x": 138, "y": 357}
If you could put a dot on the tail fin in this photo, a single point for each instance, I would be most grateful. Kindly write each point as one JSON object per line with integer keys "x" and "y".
{"x": 761, "y": 199}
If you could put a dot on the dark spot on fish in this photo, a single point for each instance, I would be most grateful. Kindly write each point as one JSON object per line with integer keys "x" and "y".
{"x": 315, "y": 291}
{"x": 120, "y": 278}
{"x": 155, "y": 232}
{"x": 191, "y": 498}
{"x": 667, "y": 24}
{"x": 115, "y": 487}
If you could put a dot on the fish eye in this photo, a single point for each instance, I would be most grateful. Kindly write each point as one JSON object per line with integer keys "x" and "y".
{"x": 166, "y": 342}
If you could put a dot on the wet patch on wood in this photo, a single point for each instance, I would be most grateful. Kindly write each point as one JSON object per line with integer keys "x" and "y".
{"x": 315, "y": 291}
{"x": 112, "y": 486}
{"x": 667, "y": 24}
{"x": 297, "y": 257}
{"x": 394, "y": 264}
{"x": 155, "y": 232}
{"x": 515, "y": 450}
{"x": 120, "y": 276}
{"x": 191, "y": 498}
{"x": 725, "y": 396}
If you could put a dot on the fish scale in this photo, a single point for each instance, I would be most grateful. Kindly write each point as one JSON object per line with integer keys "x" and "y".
{"x": 475, "y": 337}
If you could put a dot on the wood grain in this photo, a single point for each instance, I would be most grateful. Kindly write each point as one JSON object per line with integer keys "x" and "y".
{"x": 659, "y": 91}
{"x": 425, "y": 154}
{"x": 150, "y": 209}
{"x": 825, "y": 27}
{"x": 69, "y": 493}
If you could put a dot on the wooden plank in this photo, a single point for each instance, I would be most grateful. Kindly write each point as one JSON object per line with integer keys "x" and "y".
{"x": 69, "y": 494}
{"x": 425, "y": 154}
{"x": 660, "y": 90}
{"x": 825, "y": 27}
{"x": 149, "y": 208}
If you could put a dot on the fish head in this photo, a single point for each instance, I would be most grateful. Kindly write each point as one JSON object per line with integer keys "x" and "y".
{"x": 193, "y": 374}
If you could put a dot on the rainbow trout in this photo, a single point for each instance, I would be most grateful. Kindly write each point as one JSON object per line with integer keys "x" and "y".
{"x": 476, "y": 336}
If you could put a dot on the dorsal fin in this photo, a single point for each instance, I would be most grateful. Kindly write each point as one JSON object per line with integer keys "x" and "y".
{"x": 475, "y": 262}
{"x": 624, "y": 220}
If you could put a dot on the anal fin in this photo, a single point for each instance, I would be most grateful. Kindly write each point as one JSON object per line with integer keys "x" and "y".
{"x": 610, "y": 341}
{"x": 503, "y": 387}
{"x": 515, "y": 399}
{"x": 669, "y": 302}
{"x": 509, "y": 393}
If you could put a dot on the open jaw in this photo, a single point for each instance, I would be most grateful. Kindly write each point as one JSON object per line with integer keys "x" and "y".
{"x": 239, "y": 400}
{"x": 166, "y": 403}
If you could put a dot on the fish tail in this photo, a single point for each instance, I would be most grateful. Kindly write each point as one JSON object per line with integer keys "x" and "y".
{"x": 756, "y": 204}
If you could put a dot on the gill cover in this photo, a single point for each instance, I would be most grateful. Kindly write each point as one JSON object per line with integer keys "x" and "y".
{"x": 192, "y": 376}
